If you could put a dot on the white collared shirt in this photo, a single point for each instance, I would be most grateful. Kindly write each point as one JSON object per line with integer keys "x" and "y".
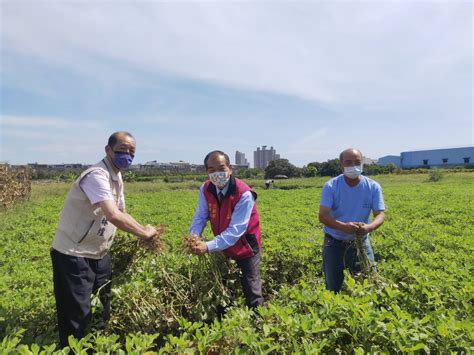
{"x": 97, "y": 188}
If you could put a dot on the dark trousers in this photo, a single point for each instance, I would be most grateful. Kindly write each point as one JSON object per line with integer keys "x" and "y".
{"x": 75, "y": 279}
{"x": 339, "y": 254}
{"x": 251, "y": 280}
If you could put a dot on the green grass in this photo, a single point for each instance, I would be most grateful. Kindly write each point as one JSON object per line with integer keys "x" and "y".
{"x": 424, "y": 254}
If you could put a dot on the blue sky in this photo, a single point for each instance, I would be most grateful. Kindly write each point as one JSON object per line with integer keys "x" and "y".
{"x": 309, "y": 78}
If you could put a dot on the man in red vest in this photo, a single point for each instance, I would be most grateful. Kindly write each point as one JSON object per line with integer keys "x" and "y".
{"x": 229, "y": 204}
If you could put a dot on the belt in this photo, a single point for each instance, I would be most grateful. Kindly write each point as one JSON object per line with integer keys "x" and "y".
{"x": 345, "y": 242}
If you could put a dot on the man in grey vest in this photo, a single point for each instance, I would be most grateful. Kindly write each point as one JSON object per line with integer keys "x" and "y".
{"x": 93, "y": 210}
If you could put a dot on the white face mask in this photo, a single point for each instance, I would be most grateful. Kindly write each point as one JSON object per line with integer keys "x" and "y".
{"x": 353, "y": 172}
{"x": 219, "y": 178}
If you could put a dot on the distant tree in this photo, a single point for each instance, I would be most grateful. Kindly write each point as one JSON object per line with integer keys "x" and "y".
{"x": 330, "y": 168}
{"x": 300, "y": 172}
{"x": 250, "y": 173}
{"x": 129, "y": 176}
{"x": 316, "y": 165}
{"x": 390, "y": 168}
{"x": 244, "y": 173}
{"x": 281, "y": 167}
{"x": 373, "y": 169}
{"x": 310, "y": 171}
{"x": 303, "y": 171}
{"x": 39, "y": 175}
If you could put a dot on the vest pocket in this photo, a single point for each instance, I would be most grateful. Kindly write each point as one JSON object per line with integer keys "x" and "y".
{"x": 87, "y": 232}
{"x": 252, "y": 241}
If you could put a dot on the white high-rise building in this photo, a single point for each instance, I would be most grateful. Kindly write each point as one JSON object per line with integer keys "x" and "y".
{"x": 240, "y": 158}
{"x": 262, "y": 157}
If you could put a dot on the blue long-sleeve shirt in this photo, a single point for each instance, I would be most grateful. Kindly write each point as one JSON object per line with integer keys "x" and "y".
{"x": 238, "y": 221}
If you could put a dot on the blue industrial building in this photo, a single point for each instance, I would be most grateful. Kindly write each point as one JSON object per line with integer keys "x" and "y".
{"x": 436, "y": 158}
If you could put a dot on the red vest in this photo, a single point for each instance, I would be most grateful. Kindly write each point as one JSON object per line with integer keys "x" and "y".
{"x": 220, "y": 214}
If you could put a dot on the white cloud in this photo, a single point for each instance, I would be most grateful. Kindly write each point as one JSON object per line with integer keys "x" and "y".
{"x": 22, "y": 133}
{"x": 341, "y": 53}
{"x": 312, "y": 146}
{"x": 51, "y": 139}
{"x": 46, "y": 122}
{"x": 408, "y": 63}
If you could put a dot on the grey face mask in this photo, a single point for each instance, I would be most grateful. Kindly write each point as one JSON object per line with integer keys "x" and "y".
{"x": 219, "y": 178}
{"x": 353, "y": 172}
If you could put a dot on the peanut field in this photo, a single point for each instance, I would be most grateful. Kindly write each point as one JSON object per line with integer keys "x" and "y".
{"x": 15, "y": 185}
{"x": 167, "y": 301}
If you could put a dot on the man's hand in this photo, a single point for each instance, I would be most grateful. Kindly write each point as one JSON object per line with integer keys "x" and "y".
{"x": 124, "y": 221}
{"x": 363, "y": 229}
{"x": 350, "y": 227}
{"x": 150, "y": 232}
{"x": 199, "y": 248}
{"x": 357, "y": 228}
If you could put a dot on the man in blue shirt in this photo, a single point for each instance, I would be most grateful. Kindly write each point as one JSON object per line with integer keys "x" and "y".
{"x": 345, "y": 206}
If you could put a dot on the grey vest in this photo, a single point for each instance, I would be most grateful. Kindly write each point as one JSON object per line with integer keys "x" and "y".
{"x": 83, "y": 230}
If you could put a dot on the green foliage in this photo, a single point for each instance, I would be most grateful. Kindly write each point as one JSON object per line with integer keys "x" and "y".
{"x": 328, "y": 168}
{"x": 69, "y": 177}
{"x": 251, "y": 173}
{"x": 281, "y": 167}
{"x": 168, "y": 289}
{"x": 331, "y": 167}
{"x": 435, "y": 176}
{"x": 129, "y": 176}
{"x": 176, "y": 303}
{"x": 311, "y": 171}
{"x": 375, "y": 169}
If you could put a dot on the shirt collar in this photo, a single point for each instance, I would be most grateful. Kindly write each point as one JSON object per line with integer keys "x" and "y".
{"x": 115, "y": 176}
{"x": 224, "y": 190}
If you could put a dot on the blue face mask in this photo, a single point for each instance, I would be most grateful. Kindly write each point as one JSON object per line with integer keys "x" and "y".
{"x": 122, "y": 160}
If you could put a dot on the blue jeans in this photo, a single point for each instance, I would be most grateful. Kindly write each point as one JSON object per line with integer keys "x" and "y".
{"x": 338, "y": 255}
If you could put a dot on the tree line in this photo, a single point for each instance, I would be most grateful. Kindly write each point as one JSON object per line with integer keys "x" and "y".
{"x": 331, "y": 167}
